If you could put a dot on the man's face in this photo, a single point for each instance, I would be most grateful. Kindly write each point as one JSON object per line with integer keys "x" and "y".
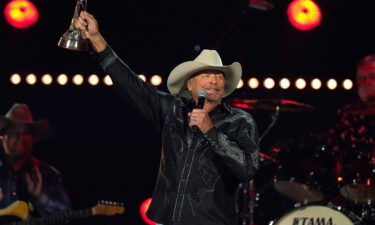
{"x": 366, "y": 81}
{"x": 17, "y": 144}
{"x": 210, "y": 80}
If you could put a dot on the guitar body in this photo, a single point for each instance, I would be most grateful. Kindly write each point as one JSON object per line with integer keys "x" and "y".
{"x": 16, "y": 211}
{"x": 19, "y": 211}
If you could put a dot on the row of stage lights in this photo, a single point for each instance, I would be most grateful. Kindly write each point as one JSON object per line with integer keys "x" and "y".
{"x": 156, "y": 80}
{"x": 78, "y": 79}
{"x": 300, "y": 83}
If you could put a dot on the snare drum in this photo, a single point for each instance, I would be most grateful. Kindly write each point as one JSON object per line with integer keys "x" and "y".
{"x": 318, "y": 215}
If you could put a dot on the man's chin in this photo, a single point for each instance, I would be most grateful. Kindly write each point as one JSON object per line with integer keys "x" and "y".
{"x": 212, "y": 99}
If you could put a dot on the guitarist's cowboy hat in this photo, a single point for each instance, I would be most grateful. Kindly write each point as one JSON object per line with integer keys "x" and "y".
{"x": 20, "y": 118}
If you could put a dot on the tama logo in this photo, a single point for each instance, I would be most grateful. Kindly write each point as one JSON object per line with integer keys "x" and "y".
{"x": 312, "y": 221}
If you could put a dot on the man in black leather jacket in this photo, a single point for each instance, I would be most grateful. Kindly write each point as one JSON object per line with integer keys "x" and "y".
{"x": 199, "y": 170}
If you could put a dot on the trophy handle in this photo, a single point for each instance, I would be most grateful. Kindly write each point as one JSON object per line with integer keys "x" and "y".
{"x": 72, "y": 38}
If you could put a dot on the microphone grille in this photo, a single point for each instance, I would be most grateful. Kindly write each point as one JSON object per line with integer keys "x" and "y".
{"x": 202, "y": 93}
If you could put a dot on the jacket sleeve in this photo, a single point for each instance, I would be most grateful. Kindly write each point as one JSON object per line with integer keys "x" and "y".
{"x": 53, "y": 198}
{"x": 148, "y": 101}
{"x": 240, "y": 152}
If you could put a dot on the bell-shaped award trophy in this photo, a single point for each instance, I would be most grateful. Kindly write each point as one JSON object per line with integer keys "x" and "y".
{"x": 72, "y": 38}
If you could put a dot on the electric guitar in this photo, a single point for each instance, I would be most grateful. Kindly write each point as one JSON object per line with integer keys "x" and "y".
{"x": 20, "y": 210}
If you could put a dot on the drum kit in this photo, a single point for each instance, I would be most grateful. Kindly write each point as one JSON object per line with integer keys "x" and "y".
{"x": 326, "y": 179}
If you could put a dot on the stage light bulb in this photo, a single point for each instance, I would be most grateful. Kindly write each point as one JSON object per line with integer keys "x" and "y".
{"x": 15, "y": 79}
{"x": 253, "y": 83}
{"x": 107, "y": 80}
{"x": 240, "y": 84}
{"x": 93, "y": 79}
{"x": 347, "y": 84}
{"x": 78, "y": 79}
{"x": 31, "y": 79}
{"x": 47, "y": 79}
{"x": 269, "y": 83}
{"x": 62, "y": 79}
{"x": 300, "y": 83}
{"x": 316, "y": 84}
{"x": 332, "y": 84}
{"x": 143, "y": 77}
{"x": 284, "y": 83}
{"x": 156, "y": 80}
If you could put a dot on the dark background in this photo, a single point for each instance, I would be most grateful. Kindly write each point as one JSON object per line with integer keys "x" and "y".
{"x": 103, "y": 147}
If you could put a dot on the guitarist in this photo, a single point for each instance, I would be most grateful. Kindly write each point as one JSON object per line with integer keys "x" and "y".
{"x": 22, "y": 176}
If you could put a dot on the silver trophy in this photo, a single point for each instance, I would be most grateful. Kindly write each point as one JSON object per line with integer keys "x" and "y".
{"x": 72, "y": 38}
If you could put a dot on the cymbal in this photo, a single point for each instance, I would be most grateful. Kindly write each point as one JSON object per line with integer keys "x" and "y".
{"x": 264, "y": 156}
{"x": 271, "y": 105}
{"x": 360, "y": 108}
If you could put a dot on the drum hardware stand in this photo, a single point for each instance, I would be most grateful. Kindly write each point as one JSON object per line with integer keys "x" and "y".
{"x": 246, "y": 214}
{"x": 344, "y": 175}
{"x": 300, "y": 204}
{"x": 248, "y": 189}
{"x": 274, "y": 118}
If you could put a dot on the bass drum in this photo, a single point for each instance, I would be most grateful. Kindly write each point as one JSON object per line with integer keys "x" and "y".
{"x": 317, "y": 214}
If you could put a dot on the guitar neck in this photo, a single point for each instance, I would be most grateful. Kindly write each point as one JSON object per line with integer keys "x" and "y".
{"x": 58, "y": 218}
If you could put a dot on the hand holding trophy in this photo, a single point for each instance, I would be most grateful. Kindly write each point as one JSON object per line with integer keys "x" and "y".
{"x": 72, "y": 39}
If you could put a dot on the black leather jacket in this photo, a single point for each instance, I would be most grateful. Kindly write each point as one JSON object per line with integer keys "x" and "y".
{"x": 198, "y": 175}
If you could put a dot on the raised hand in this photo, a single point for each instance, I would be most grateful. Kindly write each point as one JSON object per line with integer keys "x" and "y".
{"x": 90, "y": 30}
{"x": 88, "y": 24}
{"x": 34, "y": 182}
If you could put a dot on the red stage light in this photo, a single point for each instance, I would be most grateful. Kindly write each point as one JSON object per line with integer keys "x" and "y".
{"x": 242, "y": 106}
{"x": 143, "y": 209}
{"x": 21, "y": 13}
{"x": 304, "y": 14}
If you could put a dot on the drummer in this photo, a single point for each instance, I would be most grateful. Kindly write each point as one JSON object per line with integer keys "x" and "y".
{"x": 353, "y": 139}
{"x": 357, "y": 120}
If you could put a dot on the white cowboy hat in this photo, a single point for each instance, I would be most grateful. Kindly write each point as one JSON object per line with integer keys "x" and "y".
{"x": 207, "y": 59}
